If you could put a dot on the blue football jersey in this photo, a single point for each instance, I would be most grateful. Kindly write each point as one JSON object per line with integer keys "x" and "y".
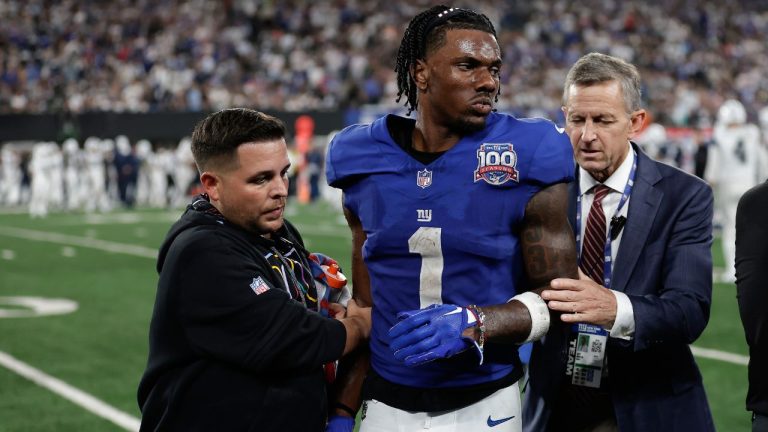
{"x": 445, "y": 232}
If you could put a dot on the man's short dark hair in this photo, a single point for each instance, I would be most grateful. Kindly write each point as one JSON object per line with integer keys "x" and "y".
{"x": 216, "y": 138}
{"x": 426, "y": 33}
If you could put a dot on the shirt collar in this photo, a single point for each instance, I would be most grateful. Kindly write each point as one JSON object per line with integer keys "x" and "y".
{"x": 617, "y": 181}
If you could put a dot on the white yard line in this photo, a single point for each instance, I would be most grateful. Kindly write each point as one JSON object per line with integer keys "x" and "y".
{"x": 129, "y": 249}
{"x": 72, "y": 394}
{"x": 720, "y": 355}
{"x": 71, "y": 240}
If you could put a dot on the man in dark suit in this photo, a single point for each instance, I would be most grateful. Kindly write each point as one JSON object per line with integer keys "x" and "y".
{"x": 620, "y": 359}
{"x": 751, "y": 274}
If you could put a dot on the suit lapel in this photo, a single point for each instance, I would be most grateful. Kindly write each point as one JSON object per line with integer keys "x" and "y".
{"x": 643, "y": 206}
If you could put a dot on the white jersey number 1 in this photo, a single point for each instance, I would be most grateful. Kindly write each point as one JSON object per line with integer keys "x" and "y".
{"x": 426, "y": 242}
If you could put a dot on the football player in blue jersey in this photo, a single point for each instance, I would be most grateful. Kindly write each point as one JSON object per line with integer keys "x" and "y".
{"x": 459, "y": 219}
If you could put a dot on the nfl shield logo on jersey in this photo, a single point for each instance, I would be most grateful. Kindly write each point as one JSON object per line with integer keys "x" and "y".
{"x": 424, "y": 178}
{"x": 258, "y": 286}
{"x": 496, "y": 163}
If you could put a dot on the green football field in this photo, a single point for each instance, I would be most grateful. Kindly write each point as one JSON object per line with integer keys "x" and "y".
{"x": 78, "y": 370}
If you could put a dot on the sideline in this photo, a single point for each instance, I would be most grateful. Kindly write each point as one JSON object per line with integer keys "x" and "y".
{"x": 129, "y": 249}
{"x": 723, "y": 356}
{"x": 72, "y": 394}
{"x": 35, "y": 306}
{"x": 71, "y": 240}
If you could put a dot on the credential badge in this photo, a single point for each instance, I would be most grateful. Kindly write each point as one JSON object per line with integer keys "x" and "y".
{"x": 424, "y": 178}
{"x": 496, "y": 163}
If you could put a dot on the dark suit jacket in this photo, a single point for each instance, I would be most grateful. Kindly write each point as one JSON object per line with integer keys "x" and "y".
{"x": 664, "y": 265}
{"x": 752, "y": 289}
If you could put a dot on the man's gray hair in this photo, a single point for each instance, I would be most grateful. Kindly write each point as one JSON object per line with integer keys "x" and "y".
{"x": 595, "y": 68}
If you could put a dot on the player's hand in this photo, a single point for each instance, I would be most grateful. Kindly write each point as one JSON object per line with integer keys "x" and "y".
{"x": 581, "y": 300}
{"x": 336, "y": 310}
{"x": 431, "y": 333}
{"x": 340, "y": 423}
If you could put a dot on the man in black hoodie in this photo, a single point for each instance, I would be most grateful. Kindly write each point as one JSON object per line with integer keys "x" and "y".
{"x": 236, "y": 341}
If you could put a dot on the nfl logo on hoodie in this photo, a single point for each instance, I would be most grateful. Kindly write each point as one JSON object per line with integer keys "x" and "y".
{"x": 258, "y": 286}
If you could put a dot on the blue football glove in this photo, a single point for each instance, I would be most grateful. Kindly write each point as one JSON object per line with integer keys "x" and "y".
{"x": 432, "y": 333}
{"x": 339, "y": 423}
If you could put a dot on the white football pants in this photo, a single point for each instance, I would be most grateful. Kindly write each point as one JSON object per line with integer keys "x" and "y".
{"x": 499, "y": 412}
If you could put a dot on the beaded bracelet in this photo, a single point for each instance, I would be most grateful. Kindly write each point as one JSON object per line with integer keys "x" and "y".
{"x": 480, "y": 327}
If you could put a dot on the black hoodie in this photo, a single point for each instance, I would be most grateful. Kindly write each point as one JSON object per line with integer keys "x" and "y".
{"x": 229, "y": 347}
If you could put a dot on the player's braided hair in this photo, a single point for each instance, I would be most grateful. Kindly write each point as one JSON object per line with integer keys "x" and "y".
{"x": 426, "y": 32}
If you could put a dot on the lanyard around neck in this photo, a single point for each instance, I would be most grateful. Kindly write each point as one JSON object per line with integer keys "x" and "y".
{"x": 607, "y": 260}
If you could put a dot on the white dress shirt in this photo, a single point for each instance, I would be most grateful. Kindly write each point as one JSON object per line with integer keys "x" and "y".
{"x": 624, "y": 325}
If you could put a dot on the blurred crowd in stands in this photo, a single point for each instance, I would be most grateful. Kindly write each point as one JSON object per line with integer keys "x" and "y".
{"x": 71, "y": 56}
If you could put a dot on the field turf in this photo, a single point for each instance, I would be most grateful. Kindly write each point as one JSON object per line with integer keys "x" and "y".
{"x": 106, "y": 264}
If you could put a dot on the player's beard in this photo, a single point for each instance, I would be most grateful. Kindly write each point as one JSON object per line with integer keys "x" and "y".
{"x": 470, "y": 124}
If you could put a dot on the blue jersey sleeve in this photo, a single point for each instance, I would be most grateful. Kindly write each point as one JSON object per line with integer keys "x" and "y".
{"x": 358, "y": 150}
{"x": 340, "y": 154}
{"x": 553, "y": 161}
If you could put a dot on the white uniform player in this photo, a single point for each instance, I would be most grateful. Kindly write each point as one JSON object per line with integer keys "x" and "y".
{"x": 39, "y": 171}
{"x": 144, "y": 153}
{"x": 184, "y": 172}
{"x": 96, "y": 177}
{"x": 763, "y": 118}
{"x": 161, "y": 168}
{"x": 108, "y": 150}
{"x": 652, "y": 139}
{"x": 736, "y": 162}
{"x": 56, "y": 174}
{"x": 74, "y": 168}
{"x": 10, "y": 185}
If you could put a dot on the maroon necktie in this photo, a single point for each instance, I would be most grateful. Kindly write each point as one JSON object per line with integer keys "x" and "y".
{"x": 593, "y": 246}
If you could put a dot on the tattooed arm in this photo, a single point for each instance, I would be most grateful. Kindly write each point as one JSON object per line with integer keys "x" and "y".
{"x": 346, "y": 390}
{"x": 549, "y": 252}
{"x": 549, "y": 246}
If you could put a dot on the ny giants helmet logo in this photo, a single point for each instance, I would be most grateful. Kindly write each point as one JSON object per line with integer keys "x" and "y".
{"x": 496, "y": 164}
